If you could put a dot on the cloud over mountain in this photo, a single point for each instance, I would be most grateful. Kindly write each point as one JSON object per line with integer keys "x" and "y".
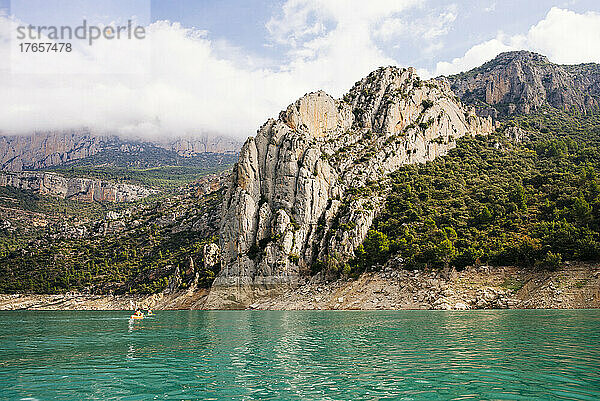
{"x": 564, "y": 36}
{"x": 182, "y": 81}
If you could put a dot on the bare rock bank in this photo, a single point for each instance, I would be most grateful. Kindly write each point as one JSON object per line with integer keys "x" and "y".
{"x": 75, "y": 188}
{"x": 194, "y": 299}
{"x": 484, "y": 287}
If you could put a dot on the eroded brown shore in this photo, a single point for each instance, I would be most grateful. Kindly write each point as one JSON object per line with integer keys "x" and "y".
{"x": 484, "y": 287}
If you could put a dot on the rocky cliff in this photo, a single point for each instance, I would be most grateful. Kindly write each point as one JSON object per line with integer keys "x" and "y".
{"x": 307, "y": 187}
{"x": 30, "y": 152}
{"x": 83, "y": 189}
{"x": 46, "y": 149}
{"x": 192, "y": 146}
{"x": 521, "y": 82}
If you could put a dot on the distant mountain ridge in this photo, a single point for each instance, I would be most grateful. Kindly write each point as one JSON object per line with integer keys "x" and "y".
{"x": 47, "y": 149}
{"x": 74, "y": 188}
{"x": 521, "y": 82}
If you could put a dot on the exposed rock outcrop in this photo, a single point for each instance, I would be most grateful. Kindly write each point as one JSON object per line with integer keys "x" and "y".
{"x": 522, "y": 81}
{"x": 41, "y": 150}
{"x": 210, "y": 255}
{"x": 46, "y": 149}
{"x": 483, "y": 287}
{"x": 83, "y": 189}
{"x": 191, "y": 146}
{"x": 474, "y": 288}
{"x": 306, "y": 189}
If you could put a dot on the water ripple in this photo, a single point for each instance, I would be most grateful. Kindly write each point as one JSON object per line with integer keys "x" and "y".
{"x": 253, "y": 355}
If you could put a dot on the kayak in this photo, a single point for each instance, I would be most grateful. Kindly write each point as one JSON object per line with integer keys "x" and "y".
{"x": 151, "y": 314}
{"x": 137, "y": 316}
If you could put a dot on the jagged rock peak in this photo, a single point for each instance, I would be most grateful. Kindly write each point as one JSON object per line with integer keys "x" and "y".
{"x": 522, "y": 81}
{"x": 312, "y": 170}
{"x": 521, "y": 55}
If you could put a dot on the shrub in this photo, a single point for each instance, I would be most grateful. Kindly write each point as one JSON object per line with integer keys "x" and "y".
{"x": 426, "y": 104}
{"x": 551, "y": 261}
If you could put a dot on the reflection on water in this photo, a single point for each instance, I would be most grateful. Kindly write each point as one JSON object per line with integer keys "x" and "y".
{"x": 410, "y": 355}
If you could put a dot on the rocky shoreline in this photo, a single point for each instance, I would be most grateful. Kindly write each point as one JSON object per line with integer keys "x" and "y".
{"x": 484, "y": 287}
{"x": 76, "y": 301}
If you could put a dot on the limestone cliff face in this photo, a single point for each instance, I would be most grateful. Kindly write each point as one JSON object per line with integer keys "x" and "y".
{"x": 303, "y": 191}
{"x": 192, "y": 146}
{"x": 83, "y": 189}
{"x": 30, "y": 152}
{"x": 520, "y": 82}
{"x": 46, "y": 149}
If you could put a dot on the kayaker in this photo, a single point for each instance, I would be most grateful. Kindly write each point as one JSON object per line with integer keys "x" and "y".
{"x": 138, "y": 313}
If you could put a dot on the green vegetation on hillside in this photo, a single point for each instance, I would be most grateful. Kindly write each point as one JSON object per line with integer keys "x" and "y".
{"x": 136, "y": 254}
{"x": 491, "y": 200}
{"x": 53, "y": 245}
{"x": 158, "y": 169}
{"x": 29, "y": 201}
{"x": 25, "y": 215}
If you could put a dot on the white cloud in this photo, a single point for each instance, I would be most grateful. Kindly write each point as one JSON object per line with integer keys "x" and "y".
{"x": 564, "y": 36}
{"x": 180, "y": 86}
{"x": 185, "y": 83}
{"x": 297, "y": 23}
{"x": 391, "y": 28}
{"x": 491, "y": 8}
{"x": 567, "y": 37}
{"x": 429, "y": 27}
{"x": 342, "y": 52}
{"x": 180, "y": 81}
{"x": 474, "y": 57}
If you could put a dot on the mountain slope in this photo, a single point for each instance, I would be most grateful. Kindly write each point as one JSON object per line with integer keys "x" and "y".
{"x": 307, "y": 187}
{"x": 522, "y": 82}
{"x": 48, "y": 149}
{"x": 158, "y": 245}
{"x": 531, "y": 202}
{"x": 391, "y": 176}
{"x": 84, "y": 189}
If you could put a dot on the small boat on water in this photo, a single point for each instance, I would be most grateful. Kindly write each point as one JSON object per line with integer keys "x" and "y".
{"x": 140, "y": 315}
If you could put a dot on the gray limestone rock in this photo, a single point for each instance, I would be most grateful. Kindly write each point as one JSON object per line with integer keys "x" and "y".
{"x": 522, "y": 82}
{"x": 307, "y": 187}
{"x": 75, "y": 188}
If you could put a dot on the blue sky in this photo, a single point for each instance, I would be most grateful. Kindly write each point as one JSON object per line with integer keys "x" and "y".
{"x": 243, "y": 23}
{"x": 212, "y": 67}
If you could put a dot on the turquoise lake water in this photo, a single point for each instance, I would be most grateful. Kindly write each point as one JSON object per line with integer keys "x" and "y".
{"x": 301, "y": 355}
